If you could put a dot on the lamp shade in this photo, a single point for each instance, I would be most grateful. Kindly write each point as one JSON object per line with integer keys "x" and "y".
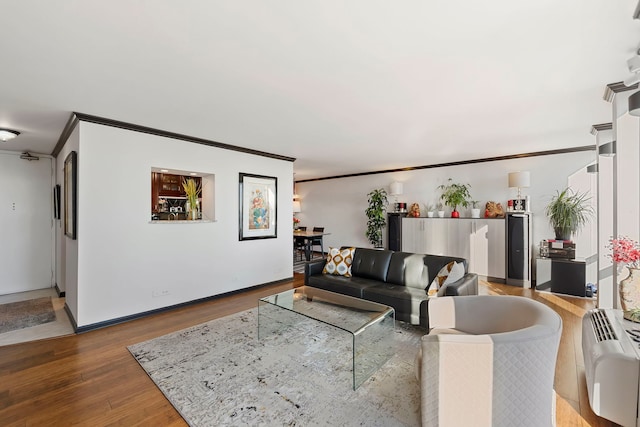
{"x": 634, "y": 104}
{"x": 395, "y": 188}
{"x": 519, "y": 179}
{"x": 296, "y": 206}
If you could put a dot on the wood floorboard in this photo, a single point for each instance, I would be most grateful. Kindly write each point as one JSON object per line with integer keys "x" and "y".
{"x": 90, "y": 379}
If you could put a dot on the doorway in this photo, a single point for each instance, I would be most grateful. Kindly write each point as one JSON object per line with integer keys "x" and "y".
{"x": 26, "y": 223}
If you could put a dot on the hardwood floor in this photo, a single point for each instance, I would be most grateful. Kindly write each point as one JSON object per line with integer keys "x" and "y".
{"x": 91, "y": 379}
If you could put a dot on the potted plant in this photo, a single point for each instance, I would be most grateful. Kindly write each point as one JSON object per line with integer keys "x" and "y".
{"x": 429, "y": 208}
{"x": 568, "y": 212}
{"x": 454, "y": 195}
{"x": 192, "y": 191}
{"x": 440, "y": 210}
{"x": 475, "y": 210}
{"x": 376, "y": 219}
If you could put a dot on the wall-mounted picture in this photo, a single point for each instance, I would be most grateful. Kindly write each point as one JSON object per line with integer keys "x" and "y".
{"x": 56, "y": 202}
{"x": 70, "y": 194}
{"x": 258, "y": 206}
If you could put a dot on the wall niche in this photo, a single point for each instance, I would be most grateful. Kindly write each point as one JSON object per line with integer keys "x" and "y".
{"x": 169, "y": 200}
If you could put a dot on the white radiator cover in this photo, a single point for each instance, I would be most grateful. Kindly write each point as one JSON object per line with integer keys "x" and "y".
{"x": 612, "y": 365}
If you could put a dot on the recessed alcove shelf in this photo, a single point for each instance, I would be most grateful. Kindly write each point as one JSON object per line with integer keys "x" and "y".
{"x": 168, "y": 199}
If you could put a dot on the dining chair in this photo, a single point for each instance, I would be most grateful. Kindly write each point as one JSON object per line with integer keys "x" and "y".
{"x": 299, "y": 244}
{"x": 316, "y": 241}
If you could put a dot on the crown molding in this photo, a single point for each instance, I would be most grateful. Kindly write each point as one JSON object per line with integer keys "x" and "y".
{"x": 612, "y": 88}
{"x": 78, "y": 117}
{"x": 460, "y": 163}
{"x": 600, "y": 127}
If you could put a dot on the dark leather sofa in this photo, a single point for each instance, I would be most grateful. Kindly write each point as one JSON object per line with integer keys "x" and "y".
{"x": 396, "y": 279}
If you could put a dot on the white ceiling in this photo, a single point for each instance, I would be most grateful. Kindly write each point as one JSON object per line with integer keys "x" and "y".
{"x": 343, "y": 86}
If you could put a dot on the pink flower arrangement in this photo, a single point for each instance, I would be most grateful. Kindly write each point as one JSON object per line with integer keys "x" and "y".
{"x": 625, "y": 251}
{"x": 295, "y": 220}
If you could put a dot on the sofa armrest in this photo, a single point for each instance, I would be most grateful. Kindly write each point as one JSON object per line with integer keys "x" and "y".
{"x": 468, "y": 285}
{"x": 313, "y": 268}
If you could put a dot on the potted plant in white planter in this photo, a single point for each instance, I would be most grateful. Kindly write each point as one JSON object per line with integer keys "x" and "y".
{"x": 429, "y": 208}
{"x": 440, "y": 210}
{"x": 475, "y": 210}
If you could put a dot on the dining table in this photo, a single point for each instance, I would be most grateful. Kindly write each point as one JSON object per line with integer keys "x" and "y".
{"x": 307, "y": 236}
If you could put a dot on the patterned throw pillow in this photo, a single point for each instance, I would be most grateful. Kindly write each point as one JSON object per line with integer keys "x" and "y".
{"x": 339, "y": 262}
{"x": 448, "y": 274}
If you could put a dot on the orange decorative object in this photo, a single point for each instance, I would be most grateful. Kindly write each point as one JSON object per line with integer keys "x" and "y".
{"x": 494, "y": 210}
{"x": 414, "y": 211}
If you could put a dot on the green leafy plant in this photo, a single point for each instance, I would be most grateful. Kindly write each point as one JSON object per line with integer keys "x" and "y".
{"x": 454, "y": 195}
{"x": 568, "y": 212}
{"x": 376, "y": 219}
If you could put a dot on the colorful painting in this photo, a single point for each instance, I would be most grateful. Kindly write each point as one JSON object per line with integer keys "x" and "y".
{"x": 257, "y": 206}
{"x": 259, "y": 218}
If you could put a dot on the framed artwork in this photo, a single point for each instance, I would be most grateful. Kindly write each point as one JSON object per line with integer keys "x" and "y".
{"x": 258, "y": 207}
{"x": 70, "y": 194}
{"x": 56, "y": 202}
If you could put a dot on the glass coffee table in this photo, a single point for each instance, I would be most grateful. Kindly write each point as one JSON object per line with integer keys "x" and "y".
{"x": 370, "y": 324}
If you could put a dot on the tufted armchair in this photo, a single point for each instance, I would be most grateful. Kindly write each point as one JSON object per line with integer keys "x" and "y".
{"x": 488, "y": 361}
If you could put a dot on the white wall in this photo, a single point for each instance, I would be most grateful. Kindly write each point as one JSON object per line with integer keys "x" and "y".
{"x": 123, "y": 257}
{"x": 339, "y": 204}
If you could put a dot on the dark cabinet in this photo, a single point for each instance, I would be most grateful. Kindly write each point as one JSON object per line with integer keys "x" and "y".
{"x": 394, "y": 229}
{"x": 568, "y": 277}
{"x": 168, "y": 186}
{"x": 518, "y": 249}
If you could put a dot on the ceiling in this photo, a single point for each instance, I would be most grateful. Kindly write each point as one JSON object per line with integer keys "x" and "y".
{"x": 344, "y": 87}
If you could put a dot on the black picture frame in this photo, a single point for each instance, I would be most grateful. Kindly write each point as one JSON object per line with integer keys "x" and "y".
{"x": 56, "y": 201}
{"x": 71, "y": 195}
{"x": 258, "y": 207}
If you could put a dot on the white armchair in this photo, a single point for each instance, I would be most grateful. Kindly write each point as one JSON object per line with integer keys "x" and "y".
{"x": 488, "y": 361}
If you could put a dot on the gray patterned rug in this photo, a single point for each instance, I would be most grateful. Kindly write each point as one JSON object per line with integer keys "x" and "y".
{"x": 219, "y": 373}
{"x": 25, "y": 314}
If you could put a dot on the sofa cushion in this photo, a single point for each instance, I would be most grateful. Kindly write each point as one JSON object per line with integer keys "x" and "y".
{"x": 405, "y": 300}
{"x": 371, "y": 263}
{"x": 351, "y": 286}
{"x": 450, "y": 273}
{"x": 409, "y": 270}
{"x": 339, "y": 262}
{"x": 435, "y": 263}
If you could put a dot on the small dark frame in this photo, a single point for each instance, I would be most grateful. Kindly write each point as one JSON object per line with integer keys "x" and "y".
{"x": 258, "y": 222}
{"x": 56, "y": 201}
{"x": 71, "y": 195}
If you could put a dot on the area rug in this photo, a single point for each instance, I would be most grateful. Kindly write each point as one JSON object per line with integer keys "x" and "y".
{"x": 25, "y": 314}
{"x": 220, "y": 373}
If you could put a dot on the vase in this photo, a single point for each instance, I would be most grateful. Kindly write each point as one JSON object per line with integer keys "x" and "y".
{"x": 630, "y": 295}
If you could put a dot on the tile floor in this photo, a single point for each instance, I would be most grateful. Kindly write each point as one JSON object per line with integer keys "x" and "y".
{"x": 61, "y": 326}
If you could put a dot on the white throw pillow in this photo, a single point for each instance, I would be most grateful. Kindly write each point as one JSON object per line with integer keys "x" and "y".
{"x": 450, "y": 273}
